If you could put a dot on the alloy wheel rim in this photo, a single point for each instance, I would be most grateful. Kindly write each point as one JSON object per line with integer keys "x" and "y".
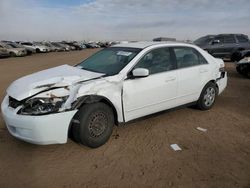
{"x": 209, "y": 96}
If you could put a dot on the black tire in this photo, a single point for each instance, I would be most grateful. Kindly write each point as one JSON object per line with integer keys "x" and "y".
{"x": 95, "y": 127}
{"x": 12, "y": 54}
{"x": 207, "y": 97}
{"x": 238, "y": 69}
{"x": 38, "y": 50}
{"x": 236, "y": 56}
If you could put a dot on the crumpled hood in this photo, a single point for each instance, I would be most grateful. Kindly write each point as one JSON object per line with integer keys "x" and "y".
{"x": 60, "y": 76}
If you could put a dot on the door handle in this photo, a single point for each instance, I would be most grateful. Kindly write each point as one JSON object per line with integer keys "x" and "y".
{"x": 168, "y": 79}
{"x": 203, "y": 70}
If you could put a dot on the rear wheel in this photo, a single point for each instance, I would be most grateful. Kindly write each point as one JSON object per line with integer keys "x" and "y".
{"x": 207, "y": 97}
{"x": 95, "y": 127}
{"x": 236, "y": 56}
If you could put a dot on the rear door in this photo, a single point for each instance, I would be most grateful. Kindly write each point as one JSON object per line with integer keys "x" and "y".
{"x": 229, "y": 45}
{"x": 193, "y": 72}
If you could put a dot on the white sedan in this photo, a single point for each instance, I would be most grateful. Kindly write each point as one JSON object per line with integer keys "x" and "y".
{"x": 115, "y": 85}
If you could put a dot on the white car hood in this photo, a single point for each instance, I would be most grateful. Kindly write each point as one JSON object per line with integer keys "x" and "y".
{"x": 60, "y": 76}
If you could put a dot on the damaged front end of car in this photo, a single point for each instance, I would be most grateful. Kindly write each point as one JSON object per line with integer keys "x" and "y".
{"x": 46, "y": 102}
{"x": 42, "y": 106}
{"x": 39, "y": 110}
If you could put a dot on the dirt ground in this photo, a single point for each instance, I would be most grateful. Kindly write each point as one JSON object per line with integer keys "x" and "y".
{"x": 138, "y": 154}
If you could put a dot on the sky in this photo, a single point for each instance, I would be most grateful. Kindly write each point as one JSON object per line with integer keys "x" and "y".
{"x": 103, "y": 20}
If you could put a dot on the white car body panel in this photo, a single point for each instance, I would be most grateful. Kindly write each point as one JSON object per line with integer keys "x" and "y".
{"x": 131, "y": 98}
{"x": 148, "y": 95}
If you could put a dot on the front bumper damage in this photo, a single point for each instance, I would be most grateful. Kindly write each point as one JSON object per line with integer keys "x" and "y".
{"x": 42, "y": 130}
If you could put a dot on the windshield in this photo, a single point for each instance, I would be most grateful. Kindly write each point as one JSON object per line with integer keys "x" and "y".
{"x": 109, "y": 61}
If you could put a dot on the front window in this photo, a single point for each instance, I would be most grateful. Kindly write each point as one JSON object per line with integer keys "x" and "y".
{"x": 203, "y": 40}
{"x": 157, "y": 61}
{"x": 109, "y": 61}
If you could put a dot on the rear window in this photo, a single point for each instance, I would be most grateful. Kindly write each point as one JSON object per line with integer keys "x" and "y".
{"x": 242, "y": 38}
{"x": 188, "y": 57}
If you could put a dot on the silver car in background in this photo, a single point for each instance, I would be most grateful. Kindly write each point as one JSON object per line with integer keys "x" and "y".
{"x": 3, "y": 52}
{"x": 17, "y": 45}
{"x": 14, "y": 52}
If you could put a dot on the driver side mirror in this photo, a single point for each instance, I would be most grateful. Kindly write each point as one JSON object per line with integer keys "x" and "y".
{"x": 215, "y": 41}
{"x": 140, "y": 72}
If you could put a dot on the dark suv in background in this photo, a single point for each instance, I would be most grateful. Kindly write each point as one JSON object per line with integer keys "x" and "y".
{"x": 224, "y": 45}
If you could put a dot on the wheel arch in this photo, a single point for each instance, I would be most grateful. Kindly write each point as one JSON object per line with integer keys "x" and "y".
{"x": 88, "y": 99}
{"x": 215, "y": 83}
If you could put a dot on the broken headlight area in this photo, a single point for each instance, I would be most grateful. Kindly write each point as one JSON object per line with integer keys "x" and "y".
{"x": 42, "y": 106}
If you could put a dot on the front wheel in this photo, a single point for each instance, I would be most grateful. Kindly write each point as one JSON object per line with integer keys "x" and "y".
{"x": 96, "y": 124}
{"x": 207, "y": 97}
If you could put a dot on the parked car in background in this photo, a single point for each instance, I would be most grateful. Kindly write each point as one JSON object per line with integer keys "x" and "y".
{"x": 41, "y": 48}
{"x": 50, "y": 46}
{"x": 17, "y": 45}
{"x": 28, "y": 45}
{"x": 82, "y": 46}
{"x": 103, "y": 44}
{"x": 37, "y": 46}
{"x": 60, "y": 47}
{"x": 115, "y": 85}
{"x": 243, "y": 66}
{"x": 92, "y": 45}
{"x": 14, "y": 52}
{"x": 224, "y": 45}
{"x": 4, "y": 52}
{"x": 73, "y": 45}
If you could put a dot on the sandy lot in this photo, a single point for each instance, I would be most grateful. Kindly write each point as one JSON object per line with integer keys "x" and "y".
{"x": 139, "y": 153}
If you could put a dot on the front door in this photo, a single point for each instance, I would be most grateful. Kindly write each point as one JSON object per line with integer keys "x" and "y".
{"x": 157, "y": 92}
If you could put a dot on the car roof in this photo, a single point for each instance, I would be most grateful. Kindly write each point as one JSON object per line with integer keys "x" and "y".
{"x": 143, "y": 45}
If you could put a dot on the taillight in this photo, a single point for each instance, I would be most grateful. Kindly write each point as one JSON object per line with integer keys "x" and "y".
{"x": 222, "y": 69}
